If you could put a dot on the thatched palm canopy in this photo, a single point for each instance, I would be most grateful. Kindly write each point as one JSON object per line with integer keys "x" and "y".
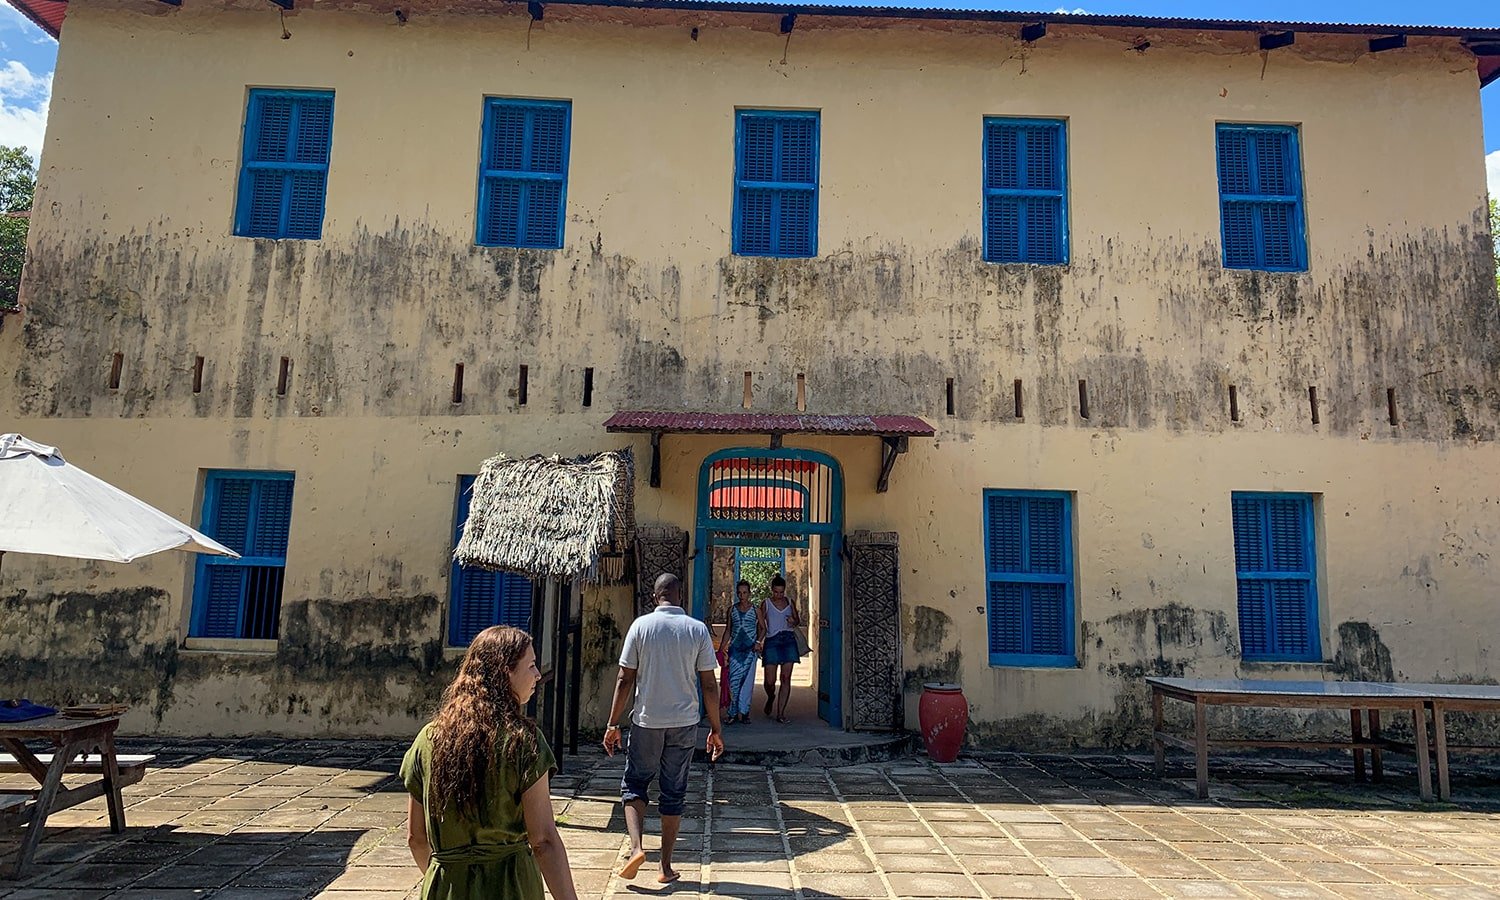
{"x": 550, "y": 517}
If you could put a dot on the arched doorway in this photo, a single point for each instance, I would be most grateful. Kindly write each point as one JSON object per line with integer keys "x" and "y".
{"x": 791, "y": 499}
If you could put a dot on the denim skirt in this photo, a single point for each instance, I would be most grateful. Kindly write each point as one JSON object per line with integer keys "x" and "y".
{"x": 780, "y": 649}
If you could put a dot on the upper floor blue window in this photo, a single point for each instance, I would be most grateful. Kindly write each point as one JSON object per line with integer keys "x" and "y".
{"x": 251, "y": 514}
{"x": 1028, "y": 538}
{"x": 284, "y": 173}
{"x": 776, "y": 183}
{"x": 479, "y": 598}
{"x": 1276, "y": 569}
{"x": 523, "y": 173}
{"x": 1260, "y": 198}
{"x": 1025, "y": 191}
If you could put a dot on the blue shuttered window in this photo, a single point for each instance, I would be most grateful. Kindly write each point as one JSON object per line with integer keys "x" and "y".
{"x": 284, "y": 173}
{"x": 776, "y": 184}
{"x": 523, "y": 177}
{"x": 1025, "y": 191}
{"x": 1028, "y": 540}
{"x": 1260, "y": 198}
{"x": 1276, "y": 571}
{"x": 251, "y": 514}
{"x": 479, "y": 598}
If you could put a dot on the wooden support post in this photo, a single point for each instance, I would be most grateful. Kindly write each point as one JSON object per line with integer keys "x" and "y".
{"x": 1200, "y": 745}
{"x": 1157, "y": 722}
{"x": 891, "y": 446}
{"x": 42, "y": 805}
{"x": 1377, "y": 768}
{"x": 656, "y": 459}
{"x": 1356, "y": 734}
{"x": 1440, "y": 734}
{"x": 1424, "y": 762}
{"x": 111, "y": 766}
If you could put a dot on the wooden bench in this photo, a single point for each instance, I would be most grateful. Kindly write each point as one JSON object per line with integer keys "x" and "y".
{"x": 81, "y": 747}
{"x": 1355, "y": 696}
{"x": 132, "y": 768}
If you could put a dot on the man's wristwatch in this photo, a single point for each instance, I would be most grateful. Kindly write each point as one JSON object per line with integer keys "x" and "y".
{"x": 611, "y": 728}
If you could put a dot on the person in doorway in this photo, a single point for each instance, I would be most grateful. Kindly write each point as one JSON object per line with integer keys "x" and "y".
{"x": 668, "y": 664}
{"x": 778, "y": 623}
{"x": 742, "y": 640}
{"x": 479, "y": 818}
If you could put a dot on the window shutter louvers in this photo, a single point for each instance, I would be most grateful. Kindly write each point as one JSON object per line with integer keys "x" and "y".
{"x": 523, "y": 185}
{"x": 1025, "y": 196}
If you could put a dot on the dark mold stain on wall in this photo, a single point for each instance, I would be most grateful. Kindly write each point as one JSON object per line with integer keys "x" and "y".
{"x": 1362, "y": 655}
{"x": 364, "y": 316}
{"x": 937, "y": 661}
{"x": 340, "y": 666}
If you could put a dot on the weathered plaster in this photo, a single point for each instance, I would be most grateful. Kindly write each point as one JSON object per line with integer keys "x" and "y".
{"x": 131, "y": 253}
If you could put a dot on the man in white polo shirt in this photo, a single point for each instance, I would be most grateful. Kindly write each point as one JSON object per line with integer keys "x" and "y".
{"x": 668, "y": 658}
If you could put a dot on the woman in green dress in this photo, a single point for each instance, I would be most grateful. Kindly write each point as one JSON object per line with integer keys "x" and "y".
{"x": 480, "y": 818}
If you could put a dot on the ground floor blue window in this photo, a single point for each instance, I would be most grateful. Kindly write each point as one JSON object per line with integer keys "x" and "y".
{"x": 251, "y": 514}
{"x": 480, "y": 598}
{"x": 1028, "y": 538}
{"x": 1276, "y": 574}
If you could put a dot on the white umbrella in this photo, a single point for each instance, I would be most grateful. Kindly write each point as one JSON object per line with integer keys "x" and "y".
{"x": 52, "y": 507}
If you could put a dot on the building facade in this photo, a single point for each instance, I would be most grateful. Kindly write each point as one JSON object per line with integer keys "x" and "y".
{"x": 1202, "y": 318}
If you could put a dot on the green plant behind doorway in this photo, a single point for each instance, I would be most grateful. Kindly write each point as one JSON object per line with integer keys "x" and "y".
{"x": 759, "y": 573}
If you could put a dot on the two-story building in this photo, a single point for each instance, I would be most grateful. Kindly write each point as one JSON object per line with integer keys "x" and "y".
{"x": 1051, "y": 351}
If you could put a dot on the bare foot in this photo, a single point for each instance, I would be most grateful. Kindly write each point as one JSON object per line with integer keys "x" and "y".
{"x": 633, "y": 865}
{"x": 667, "y": 876}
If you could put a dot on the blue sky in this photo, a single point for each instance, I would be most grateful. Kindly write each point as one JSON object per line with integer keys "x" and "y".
{"x": 27, "y": 55}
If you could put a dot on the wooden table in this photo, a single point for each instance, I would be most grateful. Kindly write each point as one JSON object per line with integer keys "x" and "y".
{"x": 1356, "y": 696}
{"x": 71, "y": 739}
{"x": 1444, "y": 698}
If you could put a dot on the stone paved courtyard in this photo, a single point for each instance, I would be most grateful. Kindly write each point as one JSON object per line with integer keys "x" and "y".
{"x": 278, "y": 820}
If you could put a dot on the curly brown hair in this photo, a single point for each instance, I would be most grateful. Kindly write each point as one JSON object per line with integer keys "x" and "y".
{"x": 480, "y": 721}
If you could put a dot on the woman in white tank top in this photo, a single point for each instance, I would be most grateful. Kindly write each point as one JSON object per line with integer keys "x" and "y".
{"x": 778, "y": 622}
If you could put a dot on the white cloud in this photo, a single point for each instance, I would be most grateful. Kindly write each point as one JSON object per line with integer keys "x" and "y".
{"x": 1492, "y": 173}
{"x": 24, "y": 98}
{"x": 1077, "y": 11}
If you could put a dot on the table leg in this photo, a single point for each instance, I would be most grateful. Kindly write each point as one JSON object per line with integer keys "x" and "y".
{"x": 1377, "y": 767}
{"x": 1424, "y": 763}
{"x": 42, "y": 808}
{"x": 110, "y": 764}
{"x": 1156, "y": 726}
{"x": 1356, "y": 733}
{"x": 1440, "y": 733}
{"x": 1200, "y": 743}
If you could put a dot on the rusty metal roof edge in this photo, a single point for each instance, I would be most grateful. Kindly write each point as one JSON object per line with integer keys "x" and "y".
{"x": 988, "y": 15}
{"x": 1029, "y": 17}
{"x": 24, "y": 8}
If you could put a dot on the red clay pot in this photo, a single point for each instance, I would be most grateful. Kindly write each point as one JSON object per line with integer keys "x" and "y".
{"x": 943, "y": 714}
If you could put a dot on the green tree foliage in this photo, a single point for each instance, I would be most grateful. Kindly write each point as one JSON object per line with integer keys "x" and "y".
{"x": 1495, "y": 236}
{"x": 17, "y": 185}
{"x": 17, "y": 179}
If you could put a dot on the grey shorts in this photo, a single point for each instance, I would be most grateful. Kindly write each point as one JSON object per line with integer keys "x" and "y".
{"x": 666, "y": 753}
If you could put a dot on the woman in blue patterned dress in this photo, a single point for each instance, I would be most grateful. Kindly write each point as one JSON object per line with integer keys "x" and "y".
{"x": 742, "y": 638}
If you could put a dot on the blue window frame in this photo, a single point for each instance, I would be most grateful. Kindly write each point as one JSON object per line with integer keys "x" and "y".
{"x": 1276, "y": 570}
{"x": 284, "y": 172}
{"x": 1025, "y": 191}
{"x": 479, "y": 598}
{"x": 251, "y": 514}
{"x": 1260, "y": 198}
{"x": 1028, "y": 539}
{"x": 523, "y": 173}
{"x": 776, "y": 183}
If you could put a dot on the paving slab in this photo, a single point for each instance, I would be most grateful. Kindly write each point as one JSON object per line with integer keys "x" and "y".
{"x": 268, "y": 820}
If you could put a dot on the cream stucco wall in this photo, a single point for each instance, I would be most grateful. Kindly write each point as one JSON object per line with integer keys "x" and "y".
{"x": 132, "y": 253}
